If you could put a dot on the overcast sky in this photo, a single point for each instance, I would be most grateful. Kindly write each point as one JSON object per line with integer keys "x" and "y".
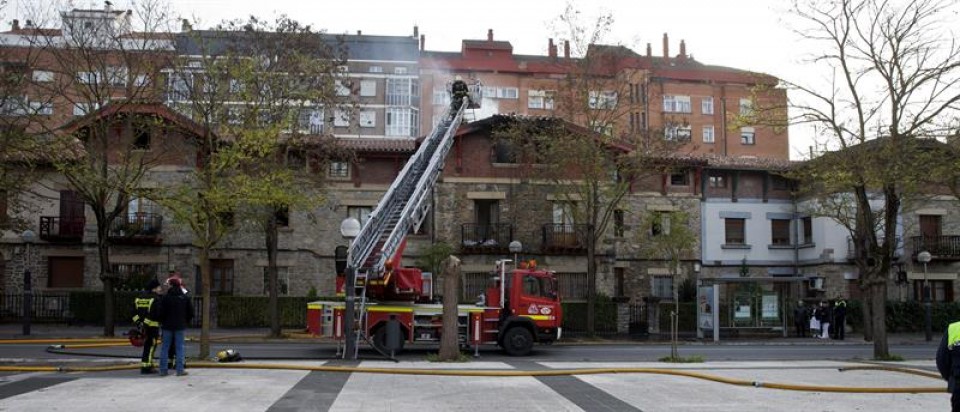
{"x": 746, "y": 34}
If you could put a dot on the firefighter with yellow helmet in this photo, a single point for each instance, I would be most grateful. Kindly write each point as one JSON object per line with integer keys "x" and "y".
{"x": 948, "y": 362}
{"x": 146, "y": 305}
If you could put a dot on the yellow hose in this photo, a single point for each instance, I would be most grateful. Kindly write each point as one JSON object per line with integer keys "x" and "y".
{"x": 506, "y": 373}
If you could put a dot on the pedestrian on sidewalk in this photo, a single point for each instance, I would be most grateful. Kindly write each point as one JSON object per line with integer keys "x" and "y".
{"x": 173, "y": 274}
{"x": 146, "y": 305}
{"x": 825, "y": 314}
{"x": 948, "y": 362}
{"x": 840, "y": 318}
{"x": 801, "y": 319}
{"x": 814, "y": 322}
{"x": 175, "y": 313}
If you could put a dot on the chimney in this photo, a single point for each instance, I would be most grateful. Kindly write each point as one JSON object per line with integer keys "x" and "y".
{"x": 551, "y": 48}
{"x": 29, "y": 24}
{"x": 107, "y": 6}
{"x": 359, "y": 33}
{"x": 416, "y": 31}
{"x": 566, "y": 49}
{"x": 16, "y": 24}
{"x": 649, "y": 50}
{"x": 683, "y": 50}
{"x": 185, "y": 26}
{"x": 423, "y": 42}
{"x": 666, "y": 48}
{"x": 489, "y": 34}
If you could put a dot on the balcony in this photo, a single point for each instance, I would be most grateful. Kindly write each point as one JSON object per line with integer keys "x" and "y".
{"x": 480, "y": 239}
{"x": 941, "y": 247}
{"x": 60, "y": 229}
{"x": 565, "y": 239}
{"x": 137, "y": 228}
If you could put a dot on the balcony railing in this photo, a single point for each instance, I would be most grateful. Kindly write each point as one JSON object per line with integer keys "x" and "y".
{"x": 564, "y": 239}
{"x": 60, "y": 229}
{"x": 492, "y": 238}
{"x": 941, "y": 247}
{"x": 137, "y": 228}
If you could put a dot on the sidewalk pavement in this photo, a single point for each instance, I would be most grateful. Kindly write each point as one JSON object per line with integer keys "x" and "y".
{"x": 57, "y": 331}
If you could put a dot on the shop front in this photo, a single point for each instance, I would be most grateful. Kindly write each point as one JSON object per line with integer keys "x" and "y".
{"x": 746, "y": 306}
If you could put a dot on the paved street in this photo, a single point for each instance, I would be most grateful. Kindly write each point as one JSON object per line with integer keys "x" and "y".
{"x": 284, "y": 390}
{"x": 790, "y": 361}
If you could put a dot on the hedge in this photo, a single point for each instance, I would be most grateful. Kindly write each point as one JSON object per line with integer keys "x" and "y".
{"x": 253, "y": 311}
{"x": 908, "y": 316}
{"x": 687, "y": 321}
{"x": 86, "y": 307}
{"x": 575, "y": 316}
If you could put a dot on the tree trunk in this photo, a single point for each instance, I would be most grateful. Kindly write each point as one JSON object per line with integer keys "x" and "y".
{"x": 103, "y": 253}
{"x": 867, "y": 308}
{"x": 449, "y": 345}
{"x": 274, "y": 300}
{"x": 591, "y": 283}
{"x": 879, "y": 302}
{"x": 205, "y": 305}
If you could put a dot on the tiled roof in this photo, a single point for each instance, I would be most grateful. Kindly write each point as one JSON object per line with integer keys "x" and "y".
{"x": 487, "y": 44}
{"x": 379, "y": 144}
{"x": 740, "y": 162}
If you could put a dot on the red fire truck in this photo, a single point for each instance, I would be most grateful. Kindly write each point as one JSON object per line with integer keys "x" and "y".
{"x": 513, "y": 314}
{"x": 387, "y": 305}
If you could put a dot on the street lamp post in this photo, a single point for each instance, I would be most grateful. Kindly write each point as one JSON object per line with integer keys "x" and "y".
{"x": 925, "y": 257}
{"x": 28, "y": 238}
{"x": 515, "y": 248}
{"x": 349, "y": 229}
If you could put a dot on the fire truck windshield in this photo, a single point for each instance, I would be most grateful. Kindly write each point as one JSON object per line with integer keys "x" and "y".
{"x": 541, "y": 286}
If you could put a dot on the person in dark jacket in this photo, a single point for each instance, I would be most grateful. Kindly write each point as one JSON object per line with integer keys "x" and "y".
{"x": 460, "y": 93}
{"x": 801, "y": 319}
{"x": 948, "y": 362}
{"x": 146, "y": 305}
{"x": 175, "y": 313}
{"x": 839, "y": 318}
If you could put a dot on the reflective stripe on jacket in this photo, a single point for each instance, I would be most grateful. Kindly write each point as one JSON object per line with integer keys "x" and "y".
{"x": 143, "y": 311}
{"x": 953, "y": 335}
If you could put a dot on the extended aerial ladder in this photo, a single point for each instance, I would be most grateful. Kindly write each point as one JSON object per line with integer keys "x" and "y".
{"x": 402, "y": 208}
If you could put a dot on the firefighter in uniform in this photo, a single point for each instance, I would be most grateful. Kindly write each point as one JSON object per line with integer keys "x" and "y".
{"x": 147, "y": 304}
{"x": 948, "y": 362}
{"x": 460, "y": 93}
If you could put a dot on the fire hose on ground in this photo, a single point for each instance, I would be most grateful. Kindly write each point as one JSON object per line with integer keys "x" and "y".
{"x": 99, "y": 343}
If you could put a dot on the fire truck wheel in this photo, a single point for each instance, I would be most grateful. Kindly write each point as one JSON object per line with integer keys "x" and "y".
{"x": 518, "y": 341}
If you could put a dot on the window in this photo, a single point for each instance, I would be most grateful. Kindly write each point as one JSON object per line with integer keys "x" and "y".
{"x": 87, "y": 77}
{"x": 141, "y": 138}
{"x": 117, "y": 76}
{"x": 376, "y": 69}
{"x": 296, "y": 160}
{"x": 283, "y": 281}
{"x": 441, "y": 97}
{"x": 400, "y": 70}
{"x": 603, "y": 99}
{"x": 361, "y": 213}
{"x": 619, "y": 275}
{"x": 746, "y": 107}
{"x": 42, "y": 76}
{"x": 660, "y": 224}
{"x": 708, "y": 134}
{"x": 618, "y": 228}
{"x": 747, "y": 136}
{"x": 508, "y": 93}
{"x": 662, "y": 287}
{"x": 338, "y": 170}
{"x": 236, "y": 86}
{"x": 42, "y": 108}
{"x": 563, "y": 215}
{"x": 540, "y": 99}
{"x": 179, "y": 86}
{"x": 222, "y": 276}
{"x": 234, "y": 115}
{"x": 807, "y": 223}
{"x": 368, "y": 118}
{"x": 780, "y": 231}
{"x": 82, "y": 109}
{"x": 133, "y": 276}
{"x": 402, "y": 122}
{"x": 940, "y": 290}
{"x": 141, "y": 80}
{"x": 780, "y": 183}
{"x": 226, "y": 219}
{"x": 401, "y": 92}
{"x": 343, "y": 68}
{"x": 601, "y": 127}
{"x": 311, "y": 121}
{"x": 706, "y": 105}
{"x": 343, "y": 88}
{"x": 538, "y": 286}
{"x": 679, "y": 179}
{"x": 677, "y": 133}
{"x": 676, "y": 104}
{"x": 368, "y": 88}
{"x": 717, "y": 181}
{"x": 734, "y": 231}
{"x": 341, "y": 118}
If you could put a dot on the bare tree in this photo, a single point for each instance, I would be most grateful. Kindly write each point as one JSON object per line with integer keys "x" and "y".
{"x": 894, "y": 70}
{"x": 100, "y": 64}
